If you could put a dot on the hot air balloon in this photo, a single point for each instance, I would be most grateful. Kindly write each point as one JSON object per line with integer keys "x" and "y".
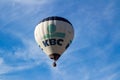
{"x": 54, "y": 35}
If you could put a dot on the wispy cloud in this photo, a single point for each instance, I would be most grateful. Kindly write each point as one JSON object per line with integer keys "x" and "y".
{"x": 90, "y": 45}
{"x": 29, "y": 2}
{"x": 30, "y": 53}
{"x": 30, "y": 57}
{"x": 1, "y": 61}
{"x": 22, "y": 12}
{"x": 85, "y": 73}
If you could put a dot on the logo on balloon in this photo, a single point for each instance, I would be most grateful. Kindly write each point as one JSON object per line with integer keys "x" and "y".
{"x": 51, "y": 29}
{"x": 50, "y": 38}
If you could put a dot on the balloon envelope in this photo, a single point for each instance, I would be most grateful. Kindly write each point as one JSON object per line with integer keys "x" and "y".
{"x": 54, "y": 35}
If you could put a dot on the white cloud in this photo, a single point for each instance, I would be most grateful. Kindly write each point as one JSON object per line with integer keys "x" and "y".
{"x": 31, "y": 60}
{"x": 4, "y": 68}
{"x": 29, "y": 2}
{"x": 109, "y": 12}
{"x": 65, "y": 74}
{"x": 32, "y": 1}
{"x": 22, "y": 9}
{"x": 86, "y": 73}
{"x": 1, "y": 61}
{"x": 110, "y": 67}
{"x": 32, "y": 51}
{"x": 111, "y": 77}
{"x": 31, "y": 54}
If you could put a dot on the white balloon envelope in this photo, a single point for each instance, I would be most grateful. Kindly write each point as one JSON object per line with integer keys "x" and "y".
{"x": 54, "y": 35}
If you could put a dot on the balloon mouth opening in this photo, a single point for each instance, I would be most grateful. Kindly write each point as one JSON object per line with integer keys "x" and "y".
{"x": 54, "y": 56}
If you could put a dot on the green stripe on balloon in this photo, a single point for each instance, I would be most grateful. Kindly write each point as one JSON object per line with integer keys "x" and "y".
{"x": 60, "y": 35}
{"x": 51, "y": 28}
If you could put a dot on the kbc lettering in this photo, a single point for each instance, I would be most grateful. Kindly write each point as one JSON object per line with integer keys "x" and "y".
{"x": 50, "y": 42}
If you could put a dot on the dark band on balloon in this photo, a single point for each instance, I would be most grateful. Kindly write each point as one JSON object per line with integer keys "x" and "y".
{"x": 56, "y": 18}
{"x": 54, "y": 56}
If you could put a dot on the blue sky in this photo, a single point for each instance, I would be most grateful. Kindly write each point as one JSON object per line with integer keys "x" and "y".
{"x": 93, "y": 55}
